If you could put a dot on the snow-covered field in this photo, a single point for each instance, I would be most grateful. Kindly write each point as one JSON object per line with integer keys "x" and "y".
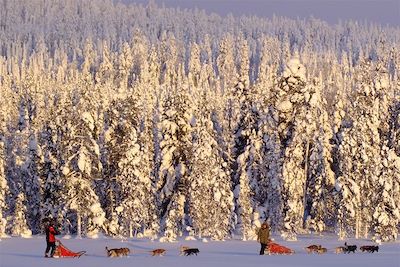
{"x": 21, "y": 252}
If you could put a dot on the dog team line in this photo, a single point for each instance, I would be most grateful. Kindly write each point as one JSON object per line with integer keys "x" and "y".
{"x": 344, "y": 249}
{"x": 119, "y": 252}
{"x": 187, "y": 251}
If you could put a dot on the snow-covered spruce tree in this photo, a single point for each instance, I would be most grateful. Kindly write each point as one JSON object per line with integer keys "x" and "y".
{"x": 30, "y": 170}
{"x": 19, "y": 223}
{"x": 52, "y": 204}
{"x": 81, "y": 166}
{"x": 210, "y": 194}
{"x": 33, "y": 183}
{"x": 381, "y": 91}
{"x": 133, "y": 196}
{"x": 394, "y": 125}
{"x": 111, "y": 155}
{"x": 348, "y": 195}
{"x": 294, "y": 128}
{"x": 111, "y": 86}
{"x": 394, "y": 142}
{"x": 359, "y": 154}
{"x": 319, "y": 203}
{"x": 148, "y": 131}
{"x": 4, "y": 191}
{"x": 176, "y": 154}
{"x": 26, "y": 156}
{"x": 246, "y": 149}
{"x": 247, "y": 169}
{"x": 137, "y": 208}
{"x": 386, "y": 216}
{"x": 54, "y": 139}
{"x": 339, "y": 123}
{"x": 9, "y": 114}
{"x": 150, "y": 224}
{"x": 272, "y": 169}
{"x": 271, "y": 165}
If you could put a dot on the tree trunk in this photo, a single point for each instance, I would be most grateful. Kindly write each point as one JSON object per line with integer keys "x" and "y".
{"x": 305, "y": 183}
{"x": 366, "y": 230}
{"x": 79, "y": 225}
{"x": 357, "y": 224}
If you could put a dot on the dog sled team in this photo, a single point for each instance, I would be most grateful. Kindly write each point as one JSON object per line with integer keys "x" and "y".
{"x": 269, "y": 247}
{"x": 343, "y": 249}
{"x": 57, "y": 249}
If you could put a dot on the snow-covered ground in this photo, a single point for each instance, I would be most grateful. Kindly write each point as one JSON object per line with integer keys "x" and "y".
{"x": 21, "y": 252}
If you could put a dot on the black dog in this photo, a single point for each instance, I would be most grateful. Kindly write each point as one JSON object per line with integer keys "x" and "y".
{"x": 191, "y": 251}
{"x": 369, "y": 249}
{"x": 348, "y": 249}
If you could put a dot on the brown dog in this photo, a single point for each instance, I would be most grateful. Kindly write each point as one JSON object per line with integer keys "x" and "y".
{"x": 321, "y": 250}
{"x": 117, "y": 252}
{"x": 313, "y": 248}
{"x": 158, "y": 252}
{"x": 339, "y": 250}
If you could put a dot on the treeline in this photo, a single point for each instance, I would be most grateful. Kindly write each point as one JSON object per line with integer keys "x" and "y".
{"x": 132, "y": 120}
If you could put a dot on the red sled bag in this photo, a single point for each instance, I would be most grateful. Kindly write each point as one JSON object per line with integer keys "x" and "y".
{"x": 62, "y": 252}
{"x": 274, "y": 248}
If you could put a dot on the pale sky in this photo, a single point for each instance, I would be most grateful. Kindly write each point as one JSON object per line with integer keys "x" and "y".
{"x": 378, "y": 11}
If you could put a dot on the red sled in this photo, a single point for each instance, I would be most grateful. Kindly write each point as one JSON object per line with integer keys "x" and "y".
{"x": 63, "y": 252}
{"x": 276, "y": 249}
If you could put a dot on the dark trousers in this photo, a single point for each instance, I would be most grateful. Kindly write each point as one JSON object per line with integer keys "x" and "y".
{"x": 51, "y": 245}
{"x": 263, "y": 247}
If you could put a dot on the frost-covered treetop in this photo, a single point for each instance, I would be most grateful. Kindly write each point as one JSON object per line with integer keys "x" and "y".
{"x": 295, "y": 69}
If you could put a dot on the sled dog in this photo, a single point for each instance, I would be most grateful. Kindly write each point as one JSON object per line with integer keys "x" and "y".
{"x": 117, "y": 252}
{"x": 191, "y": 251}
{"x": 182, "y": 249}
{"x": 369, "y": 249}
{"x": 351, "y": 248}
{"x": 339, "y": 250}
{"x": 312, "y": 248}
{"x": 321, "y": 250}
{"x": 158, "y": 252}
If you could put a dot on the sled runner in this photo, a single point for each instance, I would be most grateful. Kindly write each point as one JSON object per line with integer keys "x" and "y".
{"x": 274, "y": 248}
{"x": 62, "y": 252}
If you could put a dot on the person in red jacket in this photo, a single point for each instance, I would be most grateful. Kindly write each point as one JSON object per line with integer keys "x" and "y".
{"x": 51, "y": 232}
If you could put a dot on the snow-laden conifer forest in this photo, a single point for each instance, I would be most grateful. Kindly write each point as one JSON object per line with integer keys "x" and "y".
{"x": 131, "y": 120}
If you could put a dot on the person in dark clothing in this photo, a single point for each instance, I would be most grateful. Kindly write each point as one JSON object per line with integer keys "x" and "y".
{"x": 263, "y": 237}
{"x": 51, "y": 232}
